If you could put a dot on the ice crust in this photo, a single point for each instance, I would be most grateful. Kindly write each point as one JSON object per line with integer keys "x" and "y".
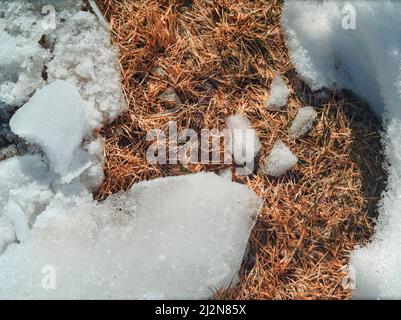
{"x": 171, "y": 238}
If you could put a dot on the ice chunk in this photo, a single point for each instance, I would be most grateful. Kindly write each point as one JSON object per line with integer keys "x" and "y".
{"x": 246, "y": 143}
{"x": 55, "y": 119}
{"x": 278, "y": 94}
{"x": 280, "y": 160}
{"x": 172, "y": 238}
{"x": 303, "y": 121}
{"x": 75, "y": 49}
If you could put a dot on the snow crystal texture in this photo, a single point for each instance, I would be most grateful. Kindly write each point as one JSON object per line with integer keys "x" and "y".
{"x": 170, "y": 238}
{"x": 303, "y": 121}
{"x": 280, "y": 160}
{"x": 278, "y": 94}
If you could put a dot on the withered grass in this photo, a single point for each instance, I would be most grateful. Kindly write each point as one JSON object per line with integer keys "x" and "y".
{"x": 220, "y": 57}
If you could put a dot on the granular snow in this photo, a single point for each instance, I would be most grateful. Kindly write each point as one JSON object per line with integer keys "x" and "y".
{"x": 303, "y": 121}
{"x": 278, "y": 94}
{"x": 280, "y": 160}
{"x": 170, "y": 238}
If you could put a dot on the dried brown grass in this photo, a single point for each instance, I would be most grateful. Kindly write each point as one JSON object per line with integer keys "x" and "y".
{"x": 220, "y": 57}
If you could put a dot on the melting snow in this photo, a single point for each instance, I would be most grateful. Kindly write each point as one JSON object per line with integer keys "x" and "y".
{"x": 278, "y": 94}
{"x": 55, "y": 119}
{"x": 177, "y": 237}
{"x": 366, "y": 58}
{"x": 303, "y": 121}
{"x": 280, "y": 160}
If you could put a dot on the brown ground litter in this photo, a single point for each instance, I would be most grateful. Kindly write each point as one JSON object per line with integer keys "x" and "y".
{"x": 220, "y": 57}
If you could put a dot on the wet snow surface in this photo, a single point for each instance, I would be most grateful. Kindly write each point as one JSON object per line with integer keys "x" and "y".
{"x": 357, "y": 45}
{"x": 178, "y": 237}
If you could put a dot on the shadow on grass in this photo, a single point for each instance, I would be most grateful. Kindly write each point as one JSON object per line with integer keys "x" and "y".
{"x": 349, "y": 126}
{"x": 366, "y": 150}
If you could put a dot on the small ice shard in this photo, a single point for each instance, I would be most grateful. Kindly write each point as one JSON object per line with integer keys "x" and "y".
{"x": 55, "y": 119}
{"x": 280, "y": 160}
{"x": 278, "y": 94}
{"x": 173, "y": 238}
{"x": 246, "y": 143}
{"x": 303, "y": 121}
{"x": 170, "y": 97}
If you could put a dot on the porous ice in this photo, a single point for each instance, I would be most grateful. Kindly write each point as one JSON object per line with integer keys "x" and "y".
{"x": 171, "y": 238}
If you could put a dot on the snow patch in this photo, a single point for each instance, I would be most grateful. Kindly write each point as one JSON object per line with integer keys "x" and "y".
{"x": 366, "y": 60}
{"x": 172, "y": 238}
